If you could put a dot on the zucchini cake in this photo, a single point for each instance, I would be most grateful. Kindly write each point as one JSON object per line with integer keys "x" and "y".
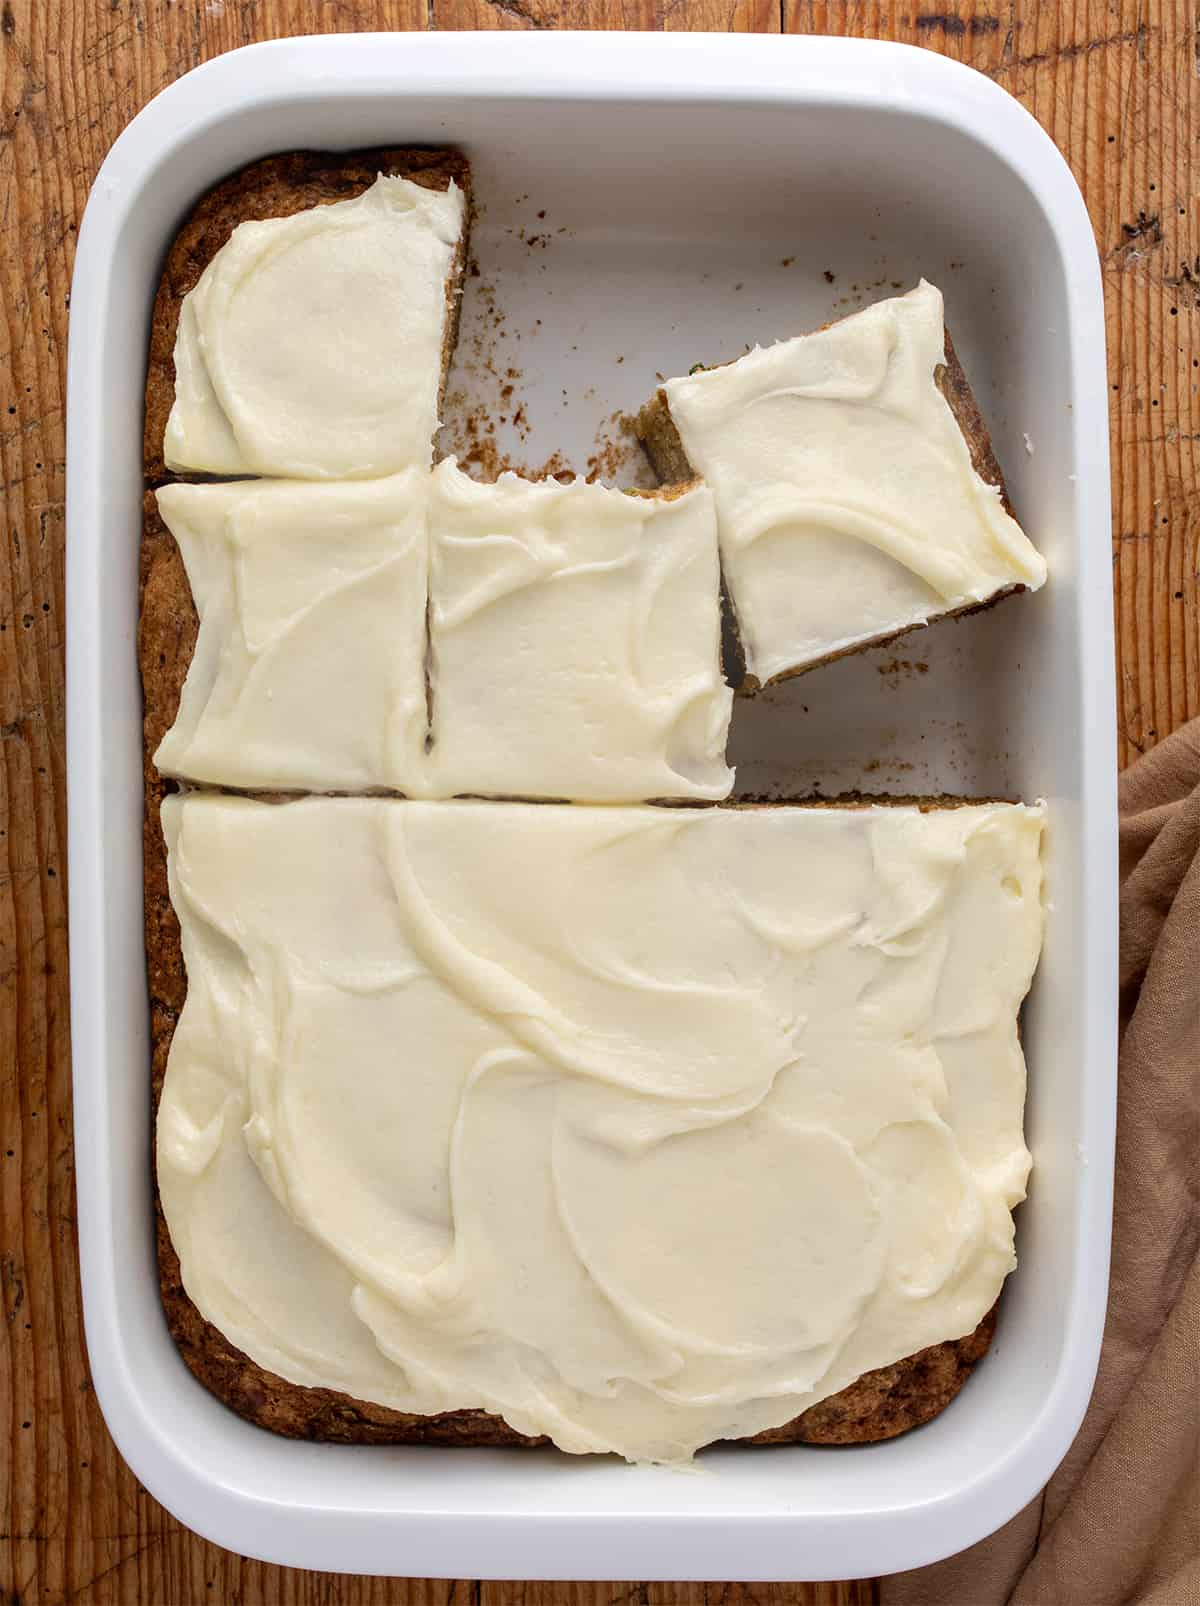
{"x": 313, "y": 345}
{"x": 430, "y": 635}
{"x": 446, "y": 1124}
{"x": 857, "y": 491}
{"x": 619, "y": 1126}
{"x": 575, "y": 642}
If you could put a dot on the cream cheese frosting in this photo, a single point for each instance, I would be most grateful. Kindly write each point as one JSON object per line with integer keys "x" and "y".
{"x": 311, "y": 347}
{"x": 847, "y": 503}
{"x": 575, "y": 641}
{"x": 309, "y": 668}
{"x": 447, "y": 1123}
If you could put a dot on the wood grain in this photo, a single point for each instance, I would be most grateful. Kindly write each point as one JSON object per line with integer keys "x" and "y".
{"x": 1116, "y": 82}
{"x": 717, "y": 16}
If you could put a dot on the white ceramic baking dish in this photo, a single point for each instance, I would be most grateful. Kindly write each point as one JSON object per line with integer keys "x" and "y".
{"x": 682, "y": 171}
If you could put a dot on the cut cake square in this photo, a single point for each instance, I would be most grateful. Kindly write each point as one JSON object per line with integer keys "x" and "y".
{"x": 575, "y": 642}
{"x": 856, "y": 488}
{"x": 329, "y": 259}
{"x": 308, "y": 671}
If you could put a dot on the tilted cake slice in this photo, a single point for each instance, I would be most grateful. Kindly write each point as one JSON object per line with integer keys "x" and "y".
{"x": 446, "y": 1126}
{"x": 309, "y": 667}
{"x": 311, "y": 344}
{"x": 575, "y": 642}
{"x": 857, "y": 493}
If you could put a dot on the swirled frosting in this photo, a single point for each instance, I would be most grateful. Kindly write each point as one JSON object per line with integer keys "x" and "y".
{"x": 576, "y": 641}
{"x": 309, "y": 668}
{"x": 640, "y": 1127}
{"x": 311, "y": 347}
{"x": 847, "y": 503}
{"x": 575, "y": 635}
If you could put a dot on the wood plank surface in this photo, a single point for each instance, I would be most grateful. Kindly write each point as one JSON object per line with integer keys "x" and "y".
{"x": 1117, "y": 84}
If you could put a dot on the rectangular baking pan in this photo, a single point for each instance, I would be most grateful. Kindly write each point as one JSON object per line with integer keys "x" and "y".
{"x": 699, "y": 193}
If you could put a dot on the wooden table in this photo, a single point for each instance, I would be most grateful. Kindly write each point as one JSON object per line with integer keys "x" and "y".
{"x": 1118, "y": 86}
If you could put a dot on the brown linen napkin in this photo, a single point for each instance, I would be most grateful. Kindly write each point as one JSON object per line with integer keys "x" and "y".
{"x": 1119, "y": 1522}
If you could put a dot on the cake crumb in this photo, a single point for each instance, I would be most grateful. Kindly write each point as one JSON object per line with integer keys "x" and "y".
{"x": 486, "y": 462}
{"x": 898, "y": 669}
{"x": 618, "y": 456}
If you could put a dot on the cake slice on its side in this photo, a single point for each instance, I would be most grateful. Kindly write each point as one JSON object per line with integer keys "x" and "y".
{"x": 306, "y": 317}
{"x": 575, "y": 640}
{"x": 308, "y": 672}
{"x": 856, "y": 488}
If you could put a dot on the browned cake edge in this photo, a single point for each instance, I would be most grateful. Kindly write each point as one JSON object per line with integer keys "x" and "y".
{"x": 664, "y": 448}
{"x": 924, "y": 802}
{"x": 668, "y": 492}
{"x": 891, "y": 1400}
{"x": 279, "y": 186}
{"x": 877, "y": 1406}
